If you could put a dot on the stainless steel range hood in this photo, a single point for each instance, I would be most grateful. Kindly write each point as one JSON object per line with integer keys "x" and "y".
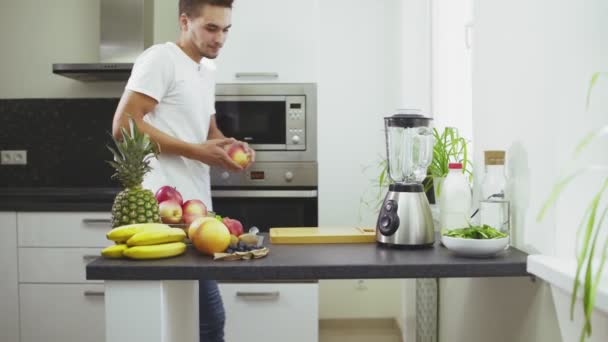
{"x": 125, "y": 32}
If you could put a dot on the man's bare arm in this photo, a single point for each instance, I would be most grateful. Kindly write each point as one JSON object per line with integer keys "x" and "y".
{"x": 137, "y": 105}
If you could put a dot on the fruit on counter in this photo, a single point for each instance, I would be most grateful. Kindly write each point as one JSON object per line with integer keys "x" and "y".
{"x": 156, "y": 237}
{"x": 164, "y": 250}
{"x": 238, "y": 154}
{"x": 249, "y": 239}
{"x": 197, "y": 223}
{"x": 123, "y": 233}
{"x": 168, "y": 193}
{"x": 234, "y": 241}
{"x": 189, "y": 218}
{"x": 114, "y": 251}
{"x": 194, "y": 207}
{"x": 211, "y": 236}
{"x": 234, "y": 226}
{"x": 170, "y": 211}
{"x": 131, "y": 161}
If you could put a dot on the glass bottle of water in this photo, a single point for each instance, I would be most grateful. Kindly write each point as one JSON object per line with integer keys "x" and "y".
{"x": 494, "y": 206}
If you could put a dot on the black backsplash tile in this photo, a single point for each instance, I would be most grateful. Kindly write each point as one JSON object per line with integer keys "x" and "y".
{"x": 65, "y": 140}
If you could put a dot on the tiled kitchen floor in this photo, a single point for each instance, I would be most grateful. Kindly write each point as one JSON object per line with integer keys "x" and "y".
{"x": 359, "y": 331}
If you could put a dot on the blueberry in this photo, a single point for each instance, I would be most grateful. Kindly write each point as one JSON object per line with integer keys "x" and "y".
{"x": 229, "y": 250}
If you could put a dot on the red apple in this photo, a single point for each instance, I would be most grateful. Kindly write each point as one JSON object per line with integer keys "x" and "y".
{"x": 170, "y": 211}
{"x": 238, "y": 154}
{"x": 166, "y": 193}
{"x": 234, "y": 226}
{"x": 194, "y": 207}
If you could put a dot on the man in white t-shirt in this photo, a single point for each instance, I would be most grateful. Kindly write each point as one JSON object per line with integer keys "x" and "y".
{"x": 171, "y": 97}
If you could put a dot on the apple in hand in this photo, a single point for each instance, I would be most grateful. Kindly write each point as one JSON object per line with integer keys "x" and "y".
{"x": 170, "y": 211}
{"x": 234, "y": 226}
{"x": 165, "y": 193}
{"x": 238, "y": 154}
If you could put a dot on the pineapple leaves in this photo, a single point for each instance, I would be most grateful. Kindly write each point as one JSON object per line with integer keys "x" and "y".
{"x": 132, "y": 155}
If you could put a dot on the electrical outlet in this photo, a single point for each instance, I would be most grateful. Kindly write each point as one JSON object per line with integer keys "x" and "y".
{"x": 13, "y": 157}
{"x": 361, "y": 285}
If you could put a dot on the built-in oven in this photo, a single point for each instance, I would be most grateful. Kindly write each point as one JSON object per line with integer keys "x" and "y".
{"x": 268, "y": 208}
{"x": 281, "y": 188}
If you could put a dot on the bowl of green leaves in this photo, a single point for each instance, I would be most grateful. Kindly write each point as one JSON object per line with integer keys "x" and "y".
{"x": 475, "y": 241}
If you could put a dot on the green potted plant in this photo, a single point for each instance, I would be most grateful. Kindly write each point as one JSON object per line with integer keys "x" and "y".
{"x": 591, "y": 226}
{"x": 449, "y": 147}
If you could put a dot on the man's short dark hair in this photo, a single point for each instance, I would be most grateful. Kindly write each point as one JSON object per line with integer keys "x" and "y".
{"x": 192, "y": 7}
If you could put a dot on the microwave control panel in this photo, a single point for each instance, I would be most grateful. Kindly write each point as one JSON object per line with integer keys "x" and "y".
{"x": 296, "y": 123}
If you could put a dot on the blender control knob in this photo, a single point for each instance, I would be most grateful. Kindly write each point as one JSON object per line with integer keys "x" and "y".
{"x": 289, "y": 176}
{"x": 390, "y": 206}
{"x": 225, "y": 175}
{"x": 295, "y": 139}
{"x": 385, "y": 222}
{"x": 388, "y": 224}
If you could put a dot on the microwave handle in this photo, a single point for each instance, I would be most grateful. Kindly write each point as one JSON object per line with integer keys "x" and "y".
{"x": 256, "y": 75}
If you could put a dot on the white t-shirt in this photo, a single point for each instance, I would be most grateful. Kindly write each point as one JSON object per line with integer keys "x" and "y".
{"x": 185, "y": 91}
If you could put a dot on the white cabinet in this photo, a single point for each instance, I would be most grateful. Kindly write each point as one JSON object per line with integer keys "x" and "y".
{"x": 62, "y": 312}
{"x": 56, "y": 302}
{"x": 9, "y": 291}
{"x": 271, "y": 41}
{"x": 272, "y": 312}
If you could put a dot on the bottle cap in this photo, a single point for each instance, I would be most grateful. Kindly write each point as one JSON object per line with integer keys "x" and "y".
{"x": 455, "y": 166}
{"x": 494, "y": 157}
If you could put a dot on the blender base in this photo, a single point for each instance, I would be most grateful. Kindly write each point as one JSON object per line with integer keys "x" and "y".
{"x": 400, "y": 246}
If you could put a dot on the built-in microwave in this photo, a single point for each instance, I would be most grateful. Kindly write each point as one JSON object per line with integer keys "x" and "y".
{"x": 278, "y": 120}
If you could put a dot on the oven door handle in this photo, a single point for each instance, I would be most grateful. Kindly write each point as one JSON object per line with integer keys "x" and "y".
{"x": 264, "y": 193}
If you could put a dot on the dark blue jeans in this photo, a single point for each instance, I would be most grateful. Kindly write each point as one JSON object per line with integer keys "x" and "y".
{"x": 211, "y": 312}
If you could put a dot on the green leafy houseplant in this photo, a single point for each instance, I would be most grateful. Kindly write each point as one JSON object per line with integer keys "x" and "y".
{"x": 449, "y": 147}
{"x": 592, "y": 224}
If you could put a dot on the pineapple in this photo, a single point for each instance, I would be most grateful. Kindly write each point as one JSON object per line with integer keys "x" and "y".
{"x": 131, "y": 160}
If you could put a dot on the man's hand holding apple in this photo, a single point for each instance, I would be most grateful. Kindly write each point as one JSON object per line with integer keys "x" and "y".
{"x": 241, "y": 154}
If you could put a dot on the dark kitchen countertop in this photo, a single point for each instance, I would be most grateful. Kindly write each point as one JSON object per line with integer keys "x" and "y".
{"x": 57, "y": 199}
{"x": 313, "y": 262}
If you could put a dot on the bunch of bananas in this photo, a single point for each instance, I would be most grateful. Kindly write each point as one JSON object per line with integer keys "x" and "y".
{"x": 145, "y": 241}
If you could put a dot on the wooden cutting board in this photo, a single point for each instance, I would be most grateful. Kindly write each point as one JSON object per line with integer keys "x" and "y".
{"x": 297, "y": 235}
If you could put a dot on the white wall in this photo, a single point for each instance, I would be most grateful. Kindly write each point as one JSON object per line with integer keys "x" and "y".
{"x": 532, "y": 61}
{"x": 375, "y": 58}
{"x": 35, "y": 35}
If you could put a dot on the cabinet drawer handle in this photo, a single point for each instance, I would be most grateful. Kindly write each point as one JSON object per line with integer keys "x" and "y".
{"x": 90, "y": 221}
{"x": 256, "y": 75}
{"x": 258, "y": 295}
{"x": 89, "y": 257}
{"x": 89, "y": 293}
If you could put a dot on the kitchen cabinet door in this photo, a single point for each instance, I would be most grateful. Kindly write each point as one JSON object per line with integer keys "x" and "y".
{"x": 60, "y": 229}
{"x": 271, "y": 312}
{"x": 271, "y": 41}
{"x": 9, "y": 291}
{"x": 62, "y": 312}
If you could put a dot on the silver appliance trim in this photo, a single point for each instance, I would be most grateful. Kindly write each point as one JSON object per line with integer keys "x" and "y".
{"x": 268, "y": 147}
{"x": 276, "y": 98}
{"x": 264, "y": 193}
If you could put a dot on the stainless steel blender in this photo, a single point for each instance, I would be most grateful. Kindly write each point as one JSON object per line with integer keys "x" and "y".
{"x": 405, "y": 218}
